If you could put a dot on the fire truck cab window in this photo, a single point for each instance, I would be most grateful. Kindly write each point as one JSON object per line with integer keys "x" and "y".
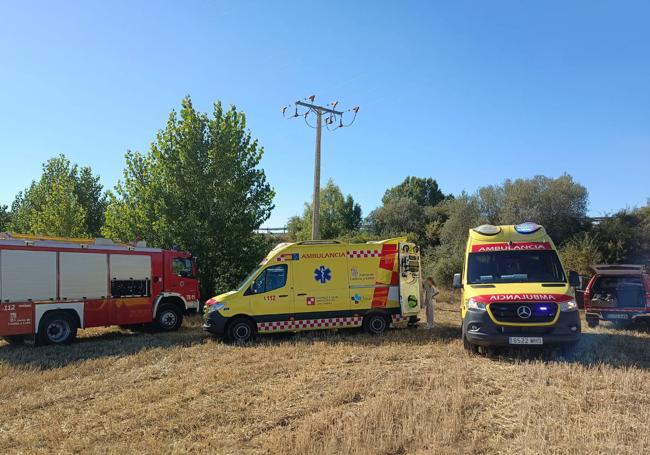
{"x": 182, "y": 267}
{"x": 274, "y": 277}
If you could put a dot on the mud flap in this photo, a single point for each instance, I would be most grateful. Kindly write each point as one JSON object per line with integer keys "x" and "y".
{"x": 410, "y": 280}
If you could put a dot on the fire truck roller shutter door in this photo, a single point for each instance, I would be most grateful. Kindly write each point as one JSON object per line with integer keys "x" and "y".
{"x": 84, "y": 276}
{"x": 28, "y": 275}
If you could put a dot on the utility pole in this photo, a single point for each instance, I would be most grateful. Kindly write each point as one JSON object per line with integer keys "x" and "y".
{"x": 331, "y": 115}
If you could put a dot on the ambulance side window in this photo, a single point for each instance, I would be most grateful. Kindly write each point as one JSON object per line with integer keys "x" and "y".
{"x": 274, "y": 277}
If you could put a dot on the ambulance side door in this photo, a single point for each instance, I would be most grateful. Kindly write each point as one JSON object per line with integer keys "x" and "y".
{"x": 270, "y": 293}
{"x": 321, "y": 282}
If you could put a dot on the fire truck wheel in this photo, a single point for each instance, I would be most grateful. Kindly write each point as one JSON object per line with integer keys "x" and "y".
{"x": 241, "y": 330}
{"x": 57, "y": 327}
{"x": 14, "y": 339}
{"x": 375, "y": 324}
{"x": 169, "y": 317}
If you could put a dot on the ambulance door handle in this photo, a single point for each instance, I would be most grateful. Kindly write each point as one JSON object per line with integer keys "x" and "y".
{"x": 283, "y": 295}
{"x": 302, "y": 293}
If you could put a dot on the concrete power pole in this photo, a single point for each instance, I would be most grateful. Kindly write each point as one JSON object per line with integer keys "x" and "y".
{"x": 331, "y": 115}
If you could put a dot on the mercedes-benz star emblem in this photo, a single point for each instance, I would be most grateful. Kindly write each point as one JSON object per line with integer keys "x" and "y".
{"x": 524, "y": 312}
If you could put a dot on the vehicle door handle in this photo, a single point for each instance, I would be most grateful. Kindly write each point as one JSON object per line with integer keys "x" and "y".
{"x": 302, "y": 293}
{"x": 283, "y": 295}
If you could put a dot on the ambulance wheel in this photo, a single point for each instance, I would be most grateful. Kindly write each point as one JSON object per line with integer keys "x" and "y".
{"x": 469, "y": 347}
{"x": 14, "y": 339}
{"x": 375, "y": 324}
{"x": 57, "y": 327}
{"x": 169, "y": 317}
{"x": 239, "y": 331}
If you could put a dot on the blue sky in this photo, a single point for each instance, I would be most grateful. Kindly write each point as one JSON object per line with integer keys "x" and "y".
{"x": 468, "y": 92}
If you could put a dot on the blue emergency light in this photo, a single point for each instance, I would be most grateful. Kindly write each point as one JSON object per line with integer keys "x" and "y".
{"x": 527, "y": 227}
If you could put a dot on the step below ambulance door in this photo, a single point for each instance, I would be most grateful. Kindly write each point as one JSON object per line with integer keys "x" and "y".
{"x": 270, "y": 294}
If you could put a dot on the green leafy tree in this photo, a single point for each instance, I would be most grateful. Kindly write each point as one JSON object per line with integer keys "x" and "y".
{"x": 581, "y": 252}
{"x": 339, "y": 215}
{"x": 5, "y": 218}
{"x": 560, "y": 204}
{"x": 401, "y": 216}
{"x": 424, "y": 191}
{"x": 624, "y": 237}
{"x": 199, "y": 188}
{"x": 66, "y": 201}
{"x": 463, "y": 214}
{"x": 412, "y": 208}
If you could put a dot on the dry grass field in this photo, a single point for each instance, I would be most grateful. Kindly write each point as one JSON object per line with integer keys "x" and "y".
{"x": 411, "y": 391}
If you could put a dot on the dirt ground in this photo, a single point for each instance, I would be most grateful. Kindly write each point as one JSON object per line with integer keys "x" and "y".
{"x": 410, "y": 391}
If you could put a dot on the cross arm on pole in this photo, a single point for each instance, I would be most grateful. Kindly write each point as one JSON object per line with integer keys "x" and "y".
{"x": 318, "y": 108}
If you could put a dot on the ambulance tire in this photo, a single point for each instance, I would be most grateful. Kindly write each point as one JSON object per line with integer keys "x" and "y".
{"x": 240, "y": 331}
{"x": 57, "y": 328}
{"x": 169, "y": 317}
{"x": 376, "y": 323}
{"x": 469, "y": 347}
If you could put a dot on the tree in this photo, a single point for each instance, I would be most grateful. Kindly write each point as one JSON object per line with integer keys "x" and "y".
{"x": 400, "y": 216}
{"x": 581, "y": 252}
{"x": 463, "y": 214}
{"x": 66, "y": 201}
{"x": 624, "y": 237}
{"x": 339, "y": 215}
{"x": 412, "y": 209}
{"x": 560, "y": 205}
{"x": 198, "y": 188}
{"x": 5, "y": 218}
{"x": 424, "y": 191}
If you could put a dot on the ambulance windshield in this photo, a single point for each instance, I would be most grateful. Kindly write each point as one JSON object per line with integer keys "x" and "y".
{"x": 248, "y": 277}
{"x": 514, "y": 267}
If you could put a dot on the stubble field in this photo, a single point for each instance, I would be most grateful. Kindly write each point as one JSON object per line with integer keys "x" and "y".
{"x": 411, "y": 391}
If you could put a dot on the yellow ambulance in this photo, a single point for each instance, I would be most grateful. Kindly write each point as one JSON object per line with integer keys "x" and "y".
{"x": 315, "y": 285}
{"x": 515, "y": 290}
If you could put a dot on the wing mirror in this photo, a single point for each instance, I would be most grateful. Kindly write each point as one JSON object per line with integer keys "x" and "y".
{"x": 457, "y": 281}
{"x": 574, "y": 279}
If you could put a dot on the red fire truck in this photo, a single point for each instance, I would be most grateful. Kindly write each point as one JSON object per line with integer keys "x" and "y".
{"x": 50, "y": 287}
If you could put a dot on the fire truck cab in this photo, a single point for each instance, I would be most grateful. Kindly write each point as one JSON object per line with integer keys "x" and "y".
{"x": 50, "y": 287}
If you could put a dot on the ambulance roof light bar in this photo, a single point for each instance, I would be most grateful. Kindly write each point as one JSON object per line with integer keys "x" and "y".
{"x": 527, "y": 228}
{"x": 487, "y": 229}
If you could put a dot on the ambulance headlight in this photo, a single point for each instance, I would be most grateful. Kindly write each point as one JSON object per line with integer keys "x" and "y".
{"x": 475, "y": 305}
{"x": 216, "y": 307}
{"x": 571, "y": 305}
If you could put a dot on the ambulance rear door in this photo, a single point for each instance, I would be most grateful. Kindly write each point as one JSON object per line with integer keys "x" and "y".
{"x": 410, "y": 280}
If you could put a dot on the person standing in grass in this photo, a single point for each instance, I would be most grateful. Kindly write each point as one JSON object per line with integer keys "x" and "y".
{"x": 430, "y": 292}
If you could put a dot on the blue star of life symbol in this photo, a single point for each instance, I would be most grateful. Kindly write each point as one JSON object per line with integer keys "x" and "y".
{"x": 322, "y": 274}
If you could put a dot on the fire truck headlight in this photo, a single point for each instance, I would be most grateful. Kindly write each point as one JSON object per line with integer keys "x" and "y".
{"x": 216, "y": 307}
{"x": 571, "y": 305}
{"x": 475, "y": 305}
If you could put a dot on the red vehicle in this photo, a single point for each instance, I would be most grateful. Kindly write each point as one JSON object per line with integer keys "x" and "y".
{"x": 50, "y": 287}
{"x": 619, "y": 293}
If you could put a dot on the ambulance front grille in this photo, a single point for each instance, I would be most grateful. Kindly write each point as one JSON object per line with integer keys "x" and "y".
{"x": 536, "y": 313}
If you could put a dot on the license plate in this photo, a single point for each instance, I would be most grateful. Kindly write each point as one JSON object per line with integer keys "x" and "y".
{"x": 615, "y": 316}
{"x": 525, "y": 340}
